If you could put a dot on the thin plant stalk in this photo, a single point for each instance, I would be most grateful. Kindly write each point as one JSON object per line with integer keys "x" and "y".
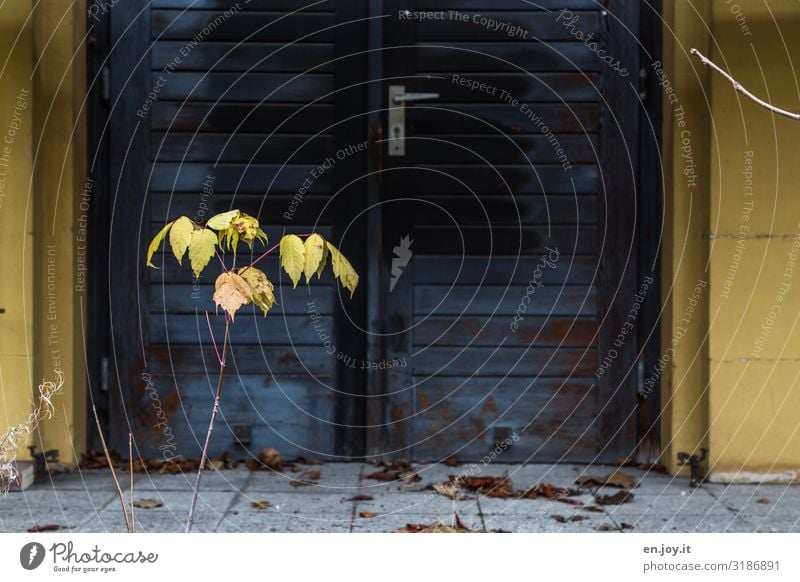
{"x": 215, "y": 410}
{"x": 130, "y": 456}
{"x": 113, "y": 471}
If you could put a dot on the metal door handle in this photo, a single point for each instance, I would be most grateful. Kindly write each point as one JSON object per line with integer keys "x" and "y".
{"x": 397, "y": 116}
{"x": 408, "y": 97}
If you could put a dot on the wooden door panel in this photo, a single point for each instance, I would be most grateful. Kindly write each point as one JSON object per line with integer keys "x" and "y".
{"x": 518, "y": 201}
{"x": 233, "y": 106}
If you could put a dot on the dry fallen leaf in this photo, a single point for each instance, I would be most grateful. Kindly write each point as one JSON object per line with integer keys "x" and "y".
{"x": 606, "y": 527}
{"x": 763, "y": 500}
{"x": 48, "y": 527}
{"x": 625, "y": 525}
{"x": 313, "y": 475}
{"x": 499, "y": 487}
{"x": 459, "y": 527}
{"x": 268, "y": 458}
{"x": 549, "y": 491}
{"x": 300, "y": 483}
{"x": 618, "y": 498}
{"x": 614, "y": 479}
{"x": 562, "y": 519}
{"x": 367, "y": 514}
{"x": 260, "y": 504}
{"x": 147, "y": 503}
{"x": 592, "y": 508}
{"x": 446, "y": 489}
{"x": 361, "y": 498}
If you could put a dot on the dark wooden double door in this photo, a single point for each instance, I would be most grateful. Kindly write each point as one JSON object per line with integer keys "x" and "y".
{"x": 497, "y": 252}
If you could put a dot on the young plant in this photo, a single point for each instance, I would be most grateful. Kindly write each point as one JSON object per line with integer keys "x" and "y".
{"x": 237, "y": 287}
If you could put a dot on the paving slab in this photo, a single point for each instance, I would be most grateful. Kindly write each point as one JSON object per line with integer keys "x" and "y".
{"x": 276, "y": 522}
{"x": 387, "y": 523}
{"x": 421, "y": 503}
{"x": 226, "y": 480}
{"x": 111, "y": 521}
{"x": 87, "y": 501}
{"x": 296, "y": 502}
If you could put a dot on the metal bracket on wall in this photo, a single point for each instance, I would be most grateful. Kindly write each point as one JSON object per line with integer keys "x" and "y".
{"x": 40, "y": 461}
{"x": 695, "y": 479}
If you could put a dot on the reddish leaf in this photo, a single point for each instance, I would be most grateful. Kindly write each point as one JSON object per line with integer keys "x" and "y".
{"x": 617, "y": 499}
{"x": 48, "y": 527}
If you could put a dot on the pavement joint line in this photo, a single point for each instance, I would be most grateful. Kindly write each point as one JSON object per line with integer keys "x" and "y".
{"x": 237, "y": 495}
{"x": 737, "y": 514}
{"x": 102, "y": 508}
{"x": 354, "y": 502}
{"x": 480, "y": 513}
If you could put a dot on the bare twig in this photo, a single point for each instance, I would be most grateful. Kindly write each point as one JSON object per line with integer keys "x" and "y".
{"x": 130, "y": 456}
{"x": 113, "y": 471}
{"x": 738, "y": 87}
{"x": 214, "y": 411}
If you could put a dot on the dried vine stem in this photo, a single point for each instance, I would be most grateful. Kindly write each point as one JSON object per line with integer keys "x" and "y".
{"x": 738, "y": 87}
{"x": 130, "y": 457}
{"x": 17, "y": 436}
{"x": 113, "y": 471}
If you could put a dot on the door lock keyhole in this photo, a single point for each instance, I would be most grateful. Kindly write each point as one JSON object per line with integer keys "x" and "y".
{"x": 397, "y": 147}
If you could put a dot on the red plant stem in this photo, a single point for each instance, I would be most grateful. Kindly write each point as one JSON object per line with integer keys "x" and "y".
{"x": 213, "y": 341}
{"x": 253, "y": 264}
{"x": 215, "y": 410}
{"x": 221, "y": 262}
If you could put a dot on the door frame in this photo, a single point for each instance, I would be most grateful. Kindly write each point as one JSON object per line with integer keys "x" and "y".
{"x": 620, "y": 428}
{"x": 353, "y": 414}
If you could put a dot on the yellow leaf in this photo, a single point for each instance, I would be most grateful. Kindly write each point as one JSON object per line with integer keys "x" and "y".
{"x": 315, "y": 252}
{"x": 322, "y": 261}
{"x": 343, "y": 270}
{"x": 180, "y": 236}
{"x": 293, "y": 258}
{"x": 261, "y": 235}
{"x": 262, "y": 288}
{"x": 247, "y": 227}
{"x": 232, "y": 239}
{"x": 156, "y": 242}
{"x": 231, "y": 292}
{"x": 223, "y": 220}
{"x": 201, "y": 249}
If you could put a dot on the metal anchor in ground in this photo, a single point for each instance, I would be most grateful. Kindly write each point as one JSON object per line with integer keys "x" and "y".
{"x": 695, "y": 478}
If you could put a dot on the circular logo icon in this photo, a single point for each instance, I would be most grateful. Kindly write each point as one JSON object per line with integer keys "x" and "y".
{"x": 31, "y": 555}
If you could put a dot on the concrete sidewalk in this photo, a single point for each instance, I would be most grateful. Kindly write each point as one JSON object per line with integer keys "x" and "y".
{"x": 86, "y": 501}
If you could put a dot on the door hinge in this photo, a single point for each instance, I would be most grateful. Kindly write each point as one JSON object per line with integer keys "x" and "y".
{"x": 640, "y": 370}
{"x": 104, "y": 374}
{"x": 105, "y": 85}
{"x": 644, "y": 77}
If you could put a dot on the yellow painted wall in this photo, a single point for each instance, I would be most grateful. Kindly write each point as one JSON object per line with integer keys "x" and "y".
{"x": 754, "y": 404}
{"x": 42, "y": 161}
{"x": 686, "y": 209}
{"x": 16, "y": 212}
{"x": 59, "y": 170}
{"x": 732, "y": 385}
